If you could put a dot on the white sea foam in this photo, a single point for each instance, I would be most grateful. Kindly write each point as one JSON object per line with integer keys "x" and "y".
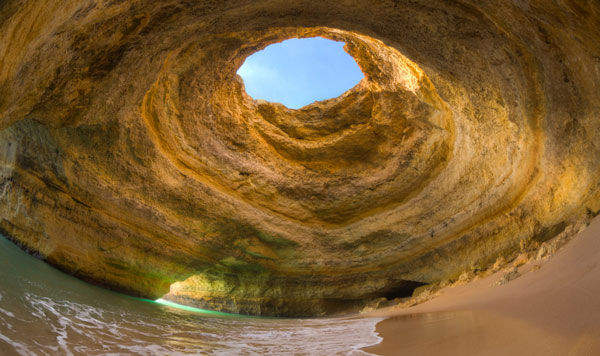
{"x": 68, "y": 328}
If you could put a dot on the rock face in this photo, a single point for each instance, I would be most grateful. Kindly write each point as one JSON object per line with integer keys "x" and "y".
{"x": 131, "y": 156}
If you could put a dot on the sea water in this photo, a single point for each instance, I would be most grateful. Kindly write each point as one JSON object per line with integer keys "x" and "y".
{"x": 46, "y": 312}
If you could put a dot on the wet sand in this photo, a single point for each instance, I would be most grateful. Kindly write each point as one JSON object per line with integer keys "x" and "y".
{"x": 554, "y": 310}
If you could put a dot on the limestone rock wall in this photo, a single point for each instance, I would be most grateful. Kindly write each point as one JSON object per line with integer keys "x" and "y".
{"x": 131, "y": 156}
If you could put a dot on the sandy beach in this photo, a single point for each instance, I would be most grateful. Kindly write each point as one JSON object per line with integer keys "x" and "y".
{"x": 553, "y": 310}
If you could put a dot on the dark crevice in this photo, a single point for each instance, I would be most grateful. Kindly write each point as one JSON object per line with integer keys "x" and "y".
{"x": 401, "y": 290}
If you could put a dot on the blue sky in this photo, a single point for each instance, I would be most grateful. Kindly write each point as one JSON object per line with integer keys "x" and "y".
{"x": 297, "y": 72}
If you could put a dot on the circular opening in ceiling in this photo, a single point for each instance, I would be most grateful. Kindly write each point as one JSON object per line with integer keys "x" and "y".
{"x": 298, "y": 72}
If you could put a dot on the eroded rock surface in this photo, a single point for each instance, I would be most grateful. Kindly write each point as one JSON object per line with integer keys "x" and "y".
{"x": 131, "y": 156}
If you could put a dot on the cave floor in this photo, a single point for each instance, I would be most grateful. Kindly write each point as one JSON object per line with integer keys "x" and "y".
{"x": 552, "y": 310}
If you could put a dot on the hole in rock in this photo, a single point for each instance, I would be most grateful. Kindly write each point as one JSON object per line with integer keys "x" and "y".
{"x": 297, "y": 72}
{"x": 405, "y": 289}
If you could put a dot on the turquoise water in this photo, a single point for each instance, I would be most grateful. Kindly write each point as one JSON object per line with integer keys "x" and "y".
{"x": 297, "y": 72}
{"x": 46, "y": 312}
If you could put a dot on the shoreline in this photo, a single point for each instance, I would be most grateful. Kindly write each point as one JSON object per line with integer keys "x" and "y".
{"x": 552, "y": 308}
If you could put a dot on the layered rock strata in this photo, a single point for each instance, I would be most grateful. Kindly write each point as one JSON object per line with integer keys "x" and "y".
{"x": 131, "y": 156}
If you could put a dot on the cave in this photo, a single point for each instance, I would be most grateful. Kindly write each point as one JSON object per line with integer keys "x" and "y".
{"x": 132, "y": 157}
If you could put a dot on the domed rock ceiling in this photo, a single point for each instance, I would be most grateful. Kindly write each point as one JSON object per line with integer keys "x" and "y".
{"x": 132, "y": 157}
